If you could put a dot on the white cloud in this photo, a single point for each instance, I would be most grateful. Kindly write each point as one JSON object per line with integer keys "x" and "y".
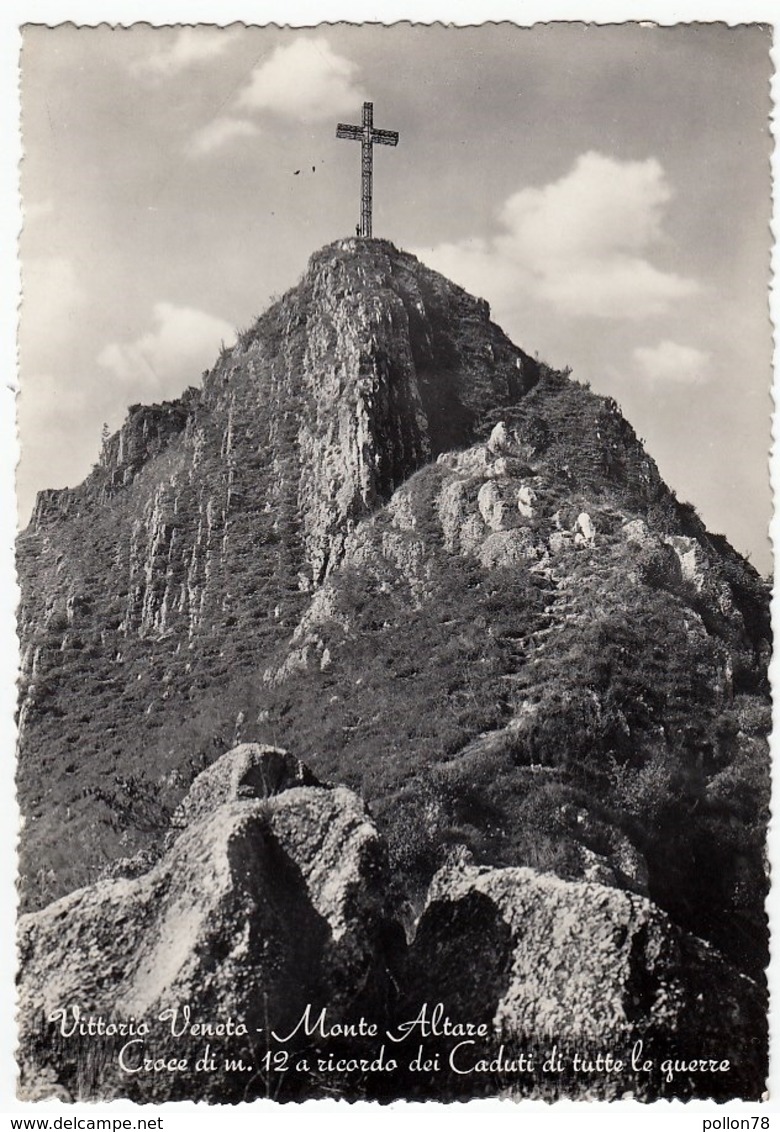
{"x": 190, "y": 48}
{"x": 220, "y": 133}
{"x": 580, "y": 243}
{"x": 305, "y": 79}
{"x": 671, "y": 363}
{"x": 614, "y": 287}
{"x": 161, "y": 362}
{"x": 601, "y": 207}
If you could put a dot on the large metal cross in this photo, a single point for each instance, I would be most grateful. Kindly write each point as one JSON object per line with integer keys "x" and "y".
{"x": 368, "y": 137}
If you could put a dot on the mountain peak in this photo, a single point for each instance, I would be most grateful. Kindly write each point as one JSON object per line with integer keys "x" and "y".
{"x": 382, "y": 536}
{"x": 370, "y": 367}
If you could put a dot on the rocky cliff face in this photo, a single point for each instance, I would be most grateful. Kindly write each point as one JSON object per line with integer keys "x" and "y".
{"x": 148, "y": 584}
{"x": 446, "y": 576}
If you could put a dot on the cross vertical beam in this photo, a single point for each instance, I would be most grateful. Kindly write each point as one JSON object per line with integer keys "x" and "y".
{"x": 367, "y": 171}
{"x": 368, "y": 138}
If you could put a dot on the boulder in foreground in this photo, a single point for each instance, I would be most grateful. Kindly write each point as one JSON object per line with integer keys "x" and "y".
{"x": 587, "y": 968}
{"x": 270, "y": 898}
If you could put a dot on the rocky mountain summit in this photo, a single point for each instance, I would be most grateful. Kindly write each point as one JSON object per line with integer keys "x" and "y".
{"x": 451, "y": 580}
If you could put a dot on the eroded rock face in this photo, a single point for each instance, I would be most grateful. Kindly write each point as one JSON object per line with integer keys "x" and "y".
{"x": 224, "y": 509}
{"x": 270, "y": 898}
{"x": 589, "y": 967}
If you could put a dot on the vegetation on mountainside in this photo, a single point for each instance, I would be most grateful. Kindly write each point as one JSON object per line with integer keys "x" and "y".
{"x": 155, "y": 607}
{"x": 632, "y": 724}
{"x": 632, "y": 734}
{"x": 153, "y": 593}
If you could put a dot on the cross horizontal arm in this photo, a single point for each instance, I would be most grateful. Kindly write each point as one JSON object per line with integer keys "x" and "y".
{"x": 384, "y": 137}
{"x": 353, "y": 132}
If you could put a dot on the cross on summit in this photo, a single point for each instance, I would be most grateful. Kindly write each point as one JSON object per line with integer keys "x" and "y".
{"x": 368, "y": 137}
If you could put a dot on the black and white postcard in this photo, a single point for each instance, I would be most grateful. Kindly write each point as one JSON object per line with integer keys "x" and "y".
{"x": 393, "y": 710}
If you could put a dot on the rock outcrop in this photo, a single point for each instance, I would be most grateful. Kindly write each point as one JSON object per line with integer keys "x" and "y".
{"x": 271, "y": 897}
{"x": 251, "y": 770}
{"x": 587, "y": 968}
{"x": 272, "y": 903}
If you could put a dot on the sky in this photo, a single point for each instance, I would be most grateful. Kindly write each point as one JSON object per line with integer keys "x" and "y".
{"x": 605, "y": 188}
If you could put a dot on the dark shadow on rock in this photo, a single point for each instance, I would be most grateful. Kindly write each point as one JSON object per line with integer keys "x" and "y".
{"x": 441, "y": 967}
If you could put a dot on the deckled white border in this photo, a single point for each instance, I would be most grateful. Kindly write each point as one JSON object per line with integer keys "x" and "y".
{"x": 306, "y": 12}
{"x": 301, "y": 13}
